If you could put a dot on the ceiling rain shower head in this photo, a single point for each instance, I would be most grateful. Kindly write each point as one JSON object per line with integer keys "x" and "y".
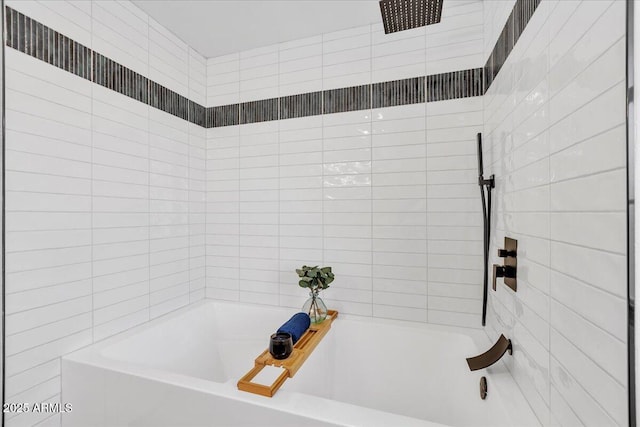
{"x": 400, "y": 15}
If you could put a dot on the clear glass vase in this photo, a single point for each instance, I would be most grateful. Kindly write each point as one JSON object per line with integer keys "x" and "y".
{"x": 315, "y": 308}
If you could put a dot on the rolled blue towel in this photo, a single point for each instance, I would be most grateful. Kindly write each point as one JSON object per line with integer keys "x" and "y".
{"x": 296, "y": 326}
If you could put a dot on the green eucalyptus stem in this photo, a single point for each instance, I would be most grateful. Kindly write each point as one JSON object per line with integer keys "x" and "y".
{"x": 314, "y": 308}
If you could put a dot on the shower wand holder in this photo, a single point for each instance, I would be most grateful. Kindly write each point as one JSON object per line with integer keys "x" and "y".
{"x": 489, "y": 183}
{"x": 510, "y": 268}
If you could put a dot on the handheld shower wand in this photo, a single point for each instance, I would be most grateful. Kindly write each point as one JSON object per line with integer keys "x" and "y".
{"x": 486, "y": 217}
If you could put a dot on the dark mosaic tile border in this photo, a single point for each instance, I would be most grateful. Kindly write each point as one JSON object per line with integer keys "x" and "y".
{"x": 305, "y": 104}
{"x": 454, "y": 85}
{"x": 114, "y": 76}
{"x": 346, "y": 99}
{"x": 167, "y": 100}
{"x": 516, "y": 23}
{"x": 197, "y": 114}
{"x": 224, "y": 115}
{"x": 263, "y": 110}
{"x": 398, "y": 92}
{"x": 45, "y": 44}
{"x": 41, "y": 42}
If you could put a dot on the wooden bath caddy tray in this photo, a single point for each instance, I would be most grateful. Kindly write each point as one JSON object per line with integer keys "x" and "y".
{"x": 301, "y": 351}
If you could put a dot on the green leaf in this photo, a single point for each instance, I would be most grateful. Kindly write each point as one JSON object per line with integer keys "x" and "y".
{"x": 314, "y": 277}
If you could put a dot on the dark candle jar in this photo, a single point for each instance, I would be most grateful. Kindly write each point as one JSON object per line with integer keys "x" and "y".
{"x": 281, "y": 345}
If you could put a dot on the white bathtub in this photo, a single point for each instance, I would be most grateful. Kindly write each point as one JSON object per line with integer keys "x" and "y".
{"x": 182, "y": 370}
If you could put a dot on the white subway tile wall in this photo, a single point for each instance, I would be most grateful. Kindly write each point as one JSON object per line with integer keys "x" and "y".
{"x": 258, "y": 221}
{"x": 120, "y": 211}
{"x": 197, "y": 211}
{"x": 197, "y": 136}
{"x": 379, "y": 195}
{"x": 301, "y": 187}
{"x": 197, "y": 79}
{"x": 350, "y": 190}
{"x": 259, "y": 74}
{"x": 347, "y": 215}
{"x": 300, "y": 66}
{"x": 48, "y": 225}
{"x": 456, "y": 42}
{"x": 399, "y": 213}
{"x": 454, "y": 222}
{"x": 168, "y": 59}
{"x": 223, "y": 80}
{"x": 555, "y": 138}
{"x": 74, "y": 16}
{"x": 116, "y": 24}
{"x": 398, "y": 55}
{"x": 169, "y": 212}
{"x": 223, "y": 213}
{"x": 105, "y": 195}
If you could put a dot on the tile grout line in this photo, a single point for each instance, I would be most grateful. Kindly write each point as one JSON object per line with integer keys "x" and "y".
{"x": 371, "y": 158}
{"x": 322, "y": 156}
{"x": 189, "y": 180}
{"x": 91, "y": 73}
{"x": 148, "y": 179}
{"x": 426, "y": 189}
